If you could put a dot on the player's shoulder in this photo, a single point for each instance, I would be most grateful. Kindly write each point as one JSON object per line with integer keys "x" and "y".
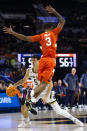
{"x": 57, "y": 29}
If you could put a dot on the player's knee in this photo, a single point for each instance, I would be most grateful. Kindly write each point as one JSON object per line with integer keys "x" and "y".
{"x": 22, "y": 101}
{"x": 44, "y": 84}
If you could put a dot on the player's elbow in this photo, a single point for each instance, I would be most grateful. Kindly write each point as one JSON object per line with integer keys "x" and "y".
{"x": 23, "y": 81}
{"x": 27, "y": 38}
{"x": 63, "y": 22}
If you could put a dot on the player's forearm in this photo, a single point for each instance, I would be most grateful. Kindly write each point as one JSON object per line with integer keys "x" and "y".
{"x": 61, "y": 19}
{"x": 20, "y": 36}
{"x": 20, "y": 82}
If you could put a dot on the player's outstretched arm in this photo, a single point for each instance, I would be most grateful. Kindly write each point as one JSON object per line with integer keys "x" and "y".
{"x": 61, "y": 19}
{"x": 17, "y": 35}
{"x": 22, "y": 81}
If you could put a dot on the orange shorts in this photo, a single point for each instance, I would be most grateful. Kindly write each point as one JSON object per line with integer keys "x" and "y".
{"x": 46, "y": 69}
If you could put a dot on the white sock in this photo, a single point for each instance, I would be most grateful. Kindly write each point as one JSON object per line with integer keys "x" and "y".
{"x": 27, "y": 119}
{"x": 33, "y": 99}
{"x": 22, "y": 117}
{"x": 32, "y": 93}
{"x": 62, "y": 112}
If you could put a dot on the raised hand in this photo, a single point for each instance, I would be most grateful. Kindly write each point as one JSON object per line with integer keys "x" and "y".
{"x": 50, "y": 9}
{"x": 8, "y": 30}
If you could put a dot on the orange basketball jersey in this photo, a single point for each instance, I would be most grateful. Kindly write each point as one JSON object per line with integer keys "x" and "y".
{"x": 48, "y": 42}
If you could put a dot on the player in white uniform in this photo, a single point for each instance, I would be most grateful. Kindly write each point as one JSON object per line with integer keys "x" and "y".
{"x": 51, "y": 98}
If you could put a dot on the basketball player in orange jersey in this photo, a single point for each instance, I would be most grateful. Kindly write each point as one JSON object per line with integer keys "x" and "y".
{"x": 48, "y": 41}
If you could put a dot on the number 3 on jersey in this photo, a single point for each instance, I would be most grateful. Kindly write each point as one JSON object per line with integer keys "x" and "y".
{"x": 48, "y": 39}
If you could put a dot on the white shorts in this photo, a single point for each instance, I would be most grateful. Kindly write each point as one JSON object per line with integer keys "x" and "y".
{"x": 51, "y": 97}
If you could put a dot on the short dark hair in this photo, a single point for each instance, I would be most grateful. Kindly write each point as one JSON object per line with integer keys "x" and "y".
{"x": 36, "y": 57}
{"x": 48, "y": 26}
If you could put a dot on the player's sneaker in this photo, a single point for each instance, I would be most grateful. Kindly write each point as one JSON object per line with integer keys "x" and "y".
{"x": 66, "y": 108}
{"x": 30, "y": 108}
{"x": 73, "y": 109}
{"x": 78, "y": 122}
{"x": 24, "y": 124}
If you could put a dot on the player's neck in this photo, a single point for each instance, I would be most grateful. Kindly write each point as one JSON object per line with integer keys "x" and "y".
{"x": 47, "y": 30}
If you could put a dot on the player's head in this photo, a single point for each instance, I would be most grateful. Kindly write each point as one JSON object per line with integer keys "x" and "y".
{"x": 55, "y": 84}
{"x": 73, "y": 71}
{"x": 35, "y": 60}
{"x": 59, "y": 82}
{"x": 2, "y": 82}
{"x": 47, "y": 27}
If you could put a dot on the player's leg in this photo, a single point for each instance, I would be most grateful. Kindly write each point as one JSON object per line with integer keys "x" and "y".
{"x": 40, "y": 88}
{"x": 24, "y": 115}
{"x": 64, "y": 113}
{"x": 45, "y": 72}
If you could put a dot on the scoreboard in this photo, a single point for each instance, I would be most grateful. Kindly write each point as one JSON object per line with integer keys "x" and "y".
{"x": 63, "y": 60}
{"x": 66, "y": 60}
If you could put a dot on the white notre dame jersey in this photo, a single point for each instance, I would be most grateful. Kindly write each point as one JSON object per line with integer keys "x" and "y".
{"x": 33, "y": 78}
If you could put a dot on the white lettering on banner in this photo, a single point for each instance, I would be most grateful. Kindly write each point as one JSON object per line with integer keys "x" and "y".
{"x": 5, "y": 100}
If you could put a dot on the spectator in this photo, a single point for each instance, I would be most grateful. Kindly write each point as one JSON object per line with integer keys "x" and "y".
{"x": 83, "y": 85}
{"x": 3, "y": 86}
{"x": 77, "y": 97}
{"x": 55, "y": 86}
{"x": 17, "y": 64}
{"x": 12, "y": 61}
{"x": 71, "y": 82}
{"x": 60, "y": 93}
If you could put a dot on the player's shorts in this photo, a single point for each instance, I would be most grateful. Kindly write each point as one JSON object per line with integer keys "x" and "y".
{"x": 46, "y": 69}
{"x": 51, "y": 97}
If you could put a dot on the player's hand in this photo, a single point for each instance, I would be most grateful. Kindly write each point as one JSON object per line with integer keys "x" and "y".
{"x": 8, "y": 30}
{"x": 50, "y": 9}
{"x": 80, "y": 85}
{"x": 79, "y": 91}
{"x": 10, "y": 84}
